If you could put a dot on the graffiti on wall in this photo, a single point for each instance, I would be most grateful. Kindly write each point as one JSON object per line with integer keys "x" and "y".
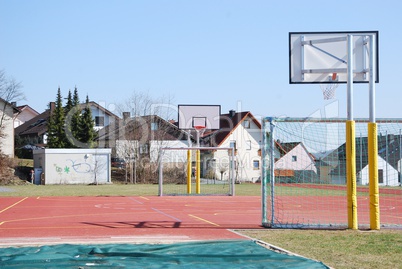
{"x": 80, "y": 166}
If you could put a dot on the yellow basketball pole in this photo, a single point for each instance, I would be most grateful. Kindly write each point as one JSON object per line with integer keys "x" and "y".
{"x": 198, "y": 172}
{"x": 350, "y": 143}
{"x": 189, "y": 170}
{"x": 373, "y": 146}
{"x": 373, "y": 176}
{"x": 351, "y": 174}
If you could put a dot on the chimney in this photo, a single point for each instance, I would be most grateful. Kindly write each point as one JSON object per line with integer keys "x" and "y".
{"x": 52, "y": 106}
{"x": 14, "y": 104}
{"x": 232, "y": 113}
{"x": 126, "y": 116}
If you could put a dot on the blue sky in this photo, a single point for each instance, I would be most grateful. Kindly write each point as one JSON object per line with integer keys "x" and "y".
{"x": 215, "y": 52}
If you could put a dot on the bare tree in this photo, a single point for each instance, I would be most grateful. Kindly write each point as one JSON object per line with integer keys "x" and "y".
{"x": 145, "y": 119}
{"x": 10, "y": 91}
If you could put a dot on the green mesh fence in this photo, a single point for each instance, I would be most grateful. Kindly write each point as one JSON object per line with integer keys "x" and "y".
{"x": 304, "y": 172}
{"x": 217, "y": 254}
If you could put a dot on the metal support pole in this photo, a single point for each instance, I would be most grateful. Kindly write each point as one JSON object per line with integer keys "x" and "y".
{"x": 160, "y": 189}
{"x": 189, "y": 171}
{"x": 350, "y": 78}
{"x": 232, "y": 177}
{"x": 372, "y": 76}
{"x": 264, "y": 152}
{"x": 373, "y": 144}
{"x": 198, "y": 172}
{"x": 272, "y": 169}
{"x": 350, "y": 143}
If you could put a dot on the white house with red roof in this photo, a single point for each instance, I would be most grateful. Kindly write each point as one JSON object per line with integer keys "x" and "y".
{"x": 26, "y": 113}
{"x": 241, "y": 131}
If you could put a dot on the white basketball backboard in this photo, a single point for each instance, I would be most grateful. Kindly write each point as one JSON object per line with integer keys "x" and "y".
{"x": 199, "y": 115}
{"x": 318, "y": 57}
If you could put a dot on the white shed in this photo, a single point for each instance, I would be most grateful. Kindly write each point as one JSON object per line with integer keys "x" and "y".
{"x": 387, "y": 175}
{"x": 72, "y": 166}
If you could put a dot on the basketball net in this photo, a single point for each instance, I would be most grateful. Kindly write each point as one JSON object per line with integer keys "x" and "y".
{"x": 200, "y": 131}
{"x": 329, "y": 90}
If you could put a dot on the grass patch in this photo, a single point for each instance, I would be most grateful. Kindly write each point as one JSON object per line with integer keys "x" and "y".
{"x": 339, "y": 249}
{"x": 121, "y": 189}
{"x": 81, "y": 190}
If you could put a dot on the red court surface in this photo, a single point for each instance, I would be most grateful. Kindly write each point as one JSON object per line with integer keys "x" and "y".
{"x": 148, "y": 219}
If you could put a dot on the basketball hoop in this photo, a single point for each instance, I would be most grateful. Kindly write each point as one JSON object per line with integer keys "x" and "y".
{"x": 329, "y": 89}
{"x": 200, "y": 131}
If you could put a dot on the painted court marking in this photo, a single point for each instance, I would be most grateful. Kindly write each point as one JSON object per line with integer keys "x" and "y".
{"x": 210, "y": 222}
{"x": 23, "y": 199}
{"x": 135, "y": 218}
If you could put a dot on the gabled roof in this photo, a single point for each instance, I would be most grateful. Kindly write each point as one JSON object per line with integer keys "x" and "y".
{"x": 101, "y": 108}
{"x": 389, "y": 148}
{"x": 36, "y": 126}
{"x": 285, "y": 148}
{"x": 27, "y": 107}
{"x": 15, "y": 109}
{"x": 139, "y": 128}
{"x": 228, "y": 123}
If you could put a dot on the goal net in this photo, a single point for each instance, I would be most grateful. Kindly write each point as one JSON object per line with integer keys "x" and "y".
{"x": 196, "y": 171}
{"x": 304, "y": 172}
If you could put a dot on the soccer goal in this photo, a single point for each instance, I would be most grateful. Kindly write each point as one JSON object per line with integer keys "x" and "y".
{"x": 196, "y": 171}
{"x": 305, "y": 173}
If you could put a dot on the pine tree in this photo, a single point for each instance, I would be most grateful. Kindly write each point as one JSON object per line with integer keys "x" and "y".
{"x": 69, "y": 132}
{"x": 56, "y": 132}
{"x": 87, "y": 131}
{"x": 76, "y": 116}
{"x": 76, "y": 99}
{"x": 69, "y": 104}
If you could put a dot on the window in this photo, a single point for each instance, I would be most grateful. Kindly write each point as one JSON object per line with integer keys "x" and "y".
{"x": 294, "y": 158}
{"x": 232, "y": 144}
{"x": 256, "y": 165}
{"x": 99, "y": 121}
{"x": 380, "y": 176}
{"x": 248, "y": 144}
{"x": 247, "y": 124}
{"x": 144, "y": 149}
{"x": 154, "y": 126}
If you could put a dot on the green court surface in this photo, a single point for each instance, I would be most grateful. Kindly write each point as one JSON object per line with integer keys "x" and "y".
{"x": 201, "y": 254}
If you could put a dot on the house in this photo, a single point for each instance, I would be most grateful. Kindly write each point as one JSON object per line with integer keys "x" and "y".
{"x": 26, "y": 114}
{"x": 241, "y": 131}
{"x": 142, "y": 137}
{"x": 34, "y": 131}
{"x": 8, "y": 113}
{"x": 389, "y": 161}
{"x": 102, "y": 116}
{"x": 294, "y": 163}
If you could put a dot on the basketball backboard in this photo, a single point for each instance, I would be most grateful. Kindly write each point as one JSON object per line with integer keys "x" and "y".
{"x": 319, "y": 57}
{"x": 199, "y": 115}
